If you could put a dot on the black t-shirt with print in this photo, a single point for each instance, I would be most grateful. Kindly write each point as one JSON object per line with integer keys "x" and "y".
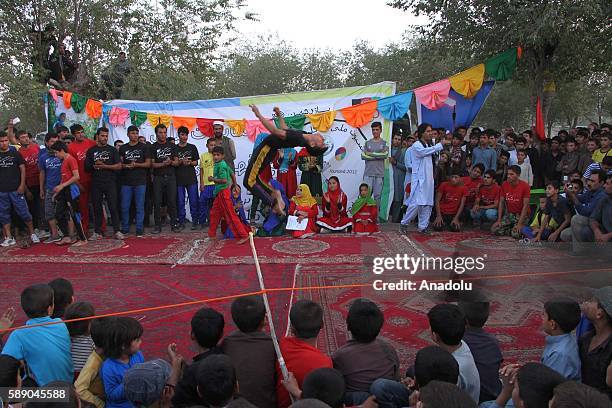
{"x": 10, "y": 174}
{"x": 137, "y": 153}
{"x": 186, "y": 175}
{"x": 161, "y": 152}
{"x": 109, "y": 156}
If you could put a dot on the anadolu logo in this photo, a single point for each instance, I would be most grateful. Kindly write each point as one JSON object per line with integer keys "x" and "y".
{"x": 340, "y": 153}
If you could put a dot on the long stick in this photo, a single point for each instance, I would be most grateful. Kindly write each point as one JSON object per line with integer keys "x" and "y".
{"x": 281, "y": 360}
{"x": 295, "y": 273}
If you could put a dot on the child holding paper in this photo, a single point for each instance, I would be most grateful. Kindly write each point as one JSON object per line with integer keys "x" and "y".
{"x": 304, "y": 207}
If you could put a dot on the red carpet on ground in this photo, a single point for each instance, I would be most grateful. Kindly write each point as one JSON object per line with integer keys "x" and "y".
{"x": 174, "y": 268}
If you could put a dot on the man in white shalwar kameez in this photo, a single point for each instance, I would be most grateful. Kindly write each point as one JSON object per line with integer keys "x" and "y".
{"x": 421, "y": 199}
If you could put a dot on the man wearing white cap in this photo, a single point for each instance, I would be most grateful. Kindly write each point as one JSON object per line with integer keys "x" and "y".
{"x": 226, "y": 143}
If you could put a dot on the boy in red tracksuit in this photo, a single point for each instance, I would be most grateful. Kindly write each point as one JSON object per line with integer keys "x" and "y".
{"x": 78, "y": 149}
{"x": 222, "y": 207}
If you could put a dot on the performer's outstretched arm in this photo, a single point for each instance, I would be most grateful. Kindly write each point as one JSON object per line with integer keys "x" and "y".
{"x": 281, "y": 118}
{"x": 268, "y": 124}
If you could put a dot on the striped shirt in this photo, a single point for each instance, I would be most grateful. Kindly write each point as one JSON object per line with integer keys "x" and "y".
{"x": 81, "y": 348}
{"x": 593, "y": 167}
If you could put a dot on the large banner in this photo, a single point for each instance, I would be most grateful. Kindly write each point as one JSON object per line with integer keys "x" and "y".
{"x": 345, "y": 143}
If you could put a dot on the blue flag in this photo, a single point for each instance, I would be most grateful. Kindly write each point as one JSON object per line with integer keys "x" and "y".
{"x": 465, "y": 109}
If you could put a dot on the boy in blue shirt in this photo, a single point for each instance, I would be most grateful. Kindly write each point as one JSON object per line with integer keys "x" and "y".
{"x": 45, "y": 349}
{"x": 561, "y": 316}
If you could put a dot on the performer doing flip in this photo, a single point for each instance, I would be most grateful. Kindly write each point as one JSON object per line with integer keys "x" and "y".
{"x": 266, "y": 152}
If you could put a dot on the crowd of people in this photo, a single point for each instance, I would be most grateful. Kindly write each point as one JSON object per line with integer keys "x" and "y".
{"x": 487, "y": 180}
{"x": 480, "y": 178}
{"x": 101, "y": 360}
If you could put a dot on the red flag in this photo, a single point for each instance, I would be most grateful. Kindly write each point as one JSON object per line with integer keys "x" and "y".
{"x": 539, "y": 127}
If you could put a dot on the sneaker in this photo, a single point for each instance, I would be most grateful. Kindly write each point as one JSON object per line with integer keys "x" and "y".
{"x": 35, "y": 239}
{"x": 95, "y": 236}
{"x": 156, "y": 229}
{"x": 194, "y": 227}
{"x": 426, "y": 231}
{"x": 176, "y": 228}
{"x": 43, "y": 234}
{"x": 119, "y": 235}
{"x": 8, "y": 242}
{"x": 53, "y": 239}
{"x": 139, "y": 234}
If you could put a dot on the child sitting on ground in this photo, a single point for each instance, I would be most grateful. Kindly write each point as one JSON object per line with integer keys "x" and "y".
{"x": 89, "y": 385}
{"x": 484, "y": 347}
{"x": 450, "y": 200}
{"x": 206, "y": 331}
{"x": 536, "y": 223}
{"x": 300, "y": 352}
{"x": 365, "y": 212}
{"x": 63, "y": 295}
{"x": 365, "y": 358}
{"x": 122, "y": 351}
{"x": 252, "y": 352}
{"x": 557, "y": 208}
{"x": 44, "y": 349}
{"x": 560, "y": 318}
{"x": 81, "y": 343}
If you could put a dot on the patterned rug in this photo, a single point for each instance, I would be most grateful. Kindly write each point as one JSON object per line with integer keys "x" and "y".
{"x": 515, "y": 310}
{"x": 113, "y": 288}
{"x": 196, "y": 249}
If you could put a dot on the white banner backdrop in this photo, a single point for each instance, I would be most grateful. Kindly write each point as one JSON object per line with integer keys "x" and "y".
{"x": 342, "y": 158}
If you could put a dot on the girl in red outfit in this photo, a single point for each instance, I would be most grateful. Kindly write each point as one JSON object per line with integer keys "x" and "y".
{"x": 303, "y": 205}
{"x": 365, "y": 212}
{"x": 334, "y": 218}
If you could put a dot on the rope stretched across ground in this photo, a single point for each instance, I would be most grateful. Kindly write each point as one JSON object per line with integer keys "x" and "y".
{"x": 272, "y": 290}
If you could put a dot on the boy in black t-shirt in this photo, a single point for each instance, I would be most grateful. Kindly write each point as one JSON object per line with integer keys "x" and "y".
{"x": 558, "y": 209}
{"x": 135, "y": 159}
{"x": 186, "y": 179}
{"x": 12, "y": 188}
{"x": 164, "y": 160}
{"x": 266, "y": 152}
{"x": 103, "y": 162}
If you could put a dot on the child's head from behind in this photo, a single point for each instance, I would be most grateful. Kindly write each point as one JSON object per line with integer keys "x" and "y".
{"x": 9, "y": 371}
{"x": 144, "y": 383}
{"x": 573, "y": 394}
{"x": 442, "y": 394}
{"x": 248, "y": 313}
{"x": 79, "y": 310}
{"x": 124, "y": 337}
{"x": 306, "y": 319}
{"x": 534, "y": 386}
{"x": 434, "y": 363}
{"x": 561, "y": 315}
{"x": 63, "y": 294}
{"x": 447, "y": 324}
{"x": 216, "y": 379}
{"x": 476, "y": 313}
{"x": 325, "y": 384}
{"x": 100, "y": 330}
{"x": 364, "y": 320}
{"x": 218, "y": 153}
{"x": 207, "y": 327}
{"x": 37, "y": 300}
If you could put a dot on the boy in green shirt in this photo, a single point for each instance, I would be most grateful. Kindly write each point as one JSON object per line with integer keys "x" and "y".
{"x": 222, "y": 208}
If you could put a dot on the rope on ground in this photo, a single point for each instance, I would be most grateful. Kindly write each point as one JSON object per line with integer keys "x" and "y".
{"x": 305, "y": 288}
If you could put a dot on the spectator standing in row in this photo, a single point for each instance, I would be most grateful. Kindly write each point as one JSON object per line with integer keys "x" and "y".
{"x": 103, "y": 162}
{"x": 135, "y": 159}
{"x": 78, "y": 149}
{"x": 12, "y": 189}
{"x": 186, "y": 180}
